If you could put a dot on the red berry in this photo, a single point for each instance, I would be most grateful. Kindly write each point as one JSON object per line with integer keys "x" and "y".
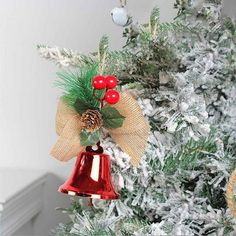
{"x": 111, "y": 81}
{"x": 112, "y": 96}
{"x": 99, "y": 82}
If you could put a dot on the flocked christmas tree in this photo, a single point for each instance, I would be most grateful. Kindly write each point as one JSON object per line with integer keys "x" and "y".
{"x": 183, "y": 74}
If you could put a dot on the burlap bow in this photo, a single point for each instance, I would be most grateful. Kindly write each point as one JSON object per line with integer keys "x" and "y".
{"x": 131, "y": 137}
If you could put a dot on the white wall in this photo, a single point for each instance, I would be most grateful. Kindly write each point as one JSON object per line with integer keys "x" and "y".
{"x": 27, "y": 97}
{"x": 230, "y": 8}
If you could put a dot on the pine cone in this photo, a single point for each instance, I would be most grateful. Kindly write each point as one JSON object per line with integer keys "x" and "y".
{"x": 91, "y": 120}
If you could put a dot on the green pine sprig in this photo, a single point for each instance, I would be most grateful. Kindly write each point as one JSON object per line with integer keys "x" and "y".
{"x": 77, "y": 87}
{"x": 154, "y": 20}
{"x": 156, "y": 26}
{"x": 189, "y": 156}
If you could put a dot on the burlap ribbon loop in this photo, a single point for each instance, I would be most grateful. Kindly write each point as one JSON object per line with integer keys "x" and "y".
{"x": 131, "y": 137}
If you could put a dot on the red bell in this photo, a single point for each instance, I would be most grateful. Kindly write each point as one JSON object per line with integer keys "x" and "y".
{"x": 91, "y": 176}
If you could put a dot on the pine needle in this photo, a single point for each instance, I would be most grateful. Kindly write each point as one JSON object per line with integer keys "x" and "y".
{"x": 77, "y": 85}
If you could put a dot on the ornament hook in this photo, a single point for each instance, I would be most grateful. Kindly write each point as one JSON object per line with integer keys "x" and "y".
{"x": 98, "y": 150}
{"x": 123, "y": 3}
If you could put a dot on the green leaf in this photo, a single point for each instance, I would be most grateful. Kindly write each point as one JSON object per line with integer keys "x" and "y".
{"x": 88, "y": 138}
{"x": 111, "y": 117}
{"x": 81, "y": 106}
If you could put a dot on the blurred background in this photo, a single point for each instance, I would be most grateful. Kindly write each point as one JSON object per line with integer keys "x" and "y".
{"x": 28, "y": 98}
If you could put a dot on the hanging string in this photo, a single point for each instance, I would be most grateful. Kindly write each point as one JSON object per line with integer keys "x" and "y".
{"x": 123, "y": 3}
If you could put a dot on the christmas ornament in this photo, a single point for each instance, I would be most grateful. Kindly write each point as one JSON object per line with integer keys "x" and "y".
{"x": 111, "y": 82}
{"x": 112, "y": 96}
{"x": 120, "y": 16}
{"x": 91, "y": 176}
{"x": 83, "y": 112}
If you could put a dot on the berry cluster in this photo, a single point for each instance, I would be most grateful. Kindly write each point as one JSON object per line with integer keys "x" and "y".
{"x": 109, "y": 83}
